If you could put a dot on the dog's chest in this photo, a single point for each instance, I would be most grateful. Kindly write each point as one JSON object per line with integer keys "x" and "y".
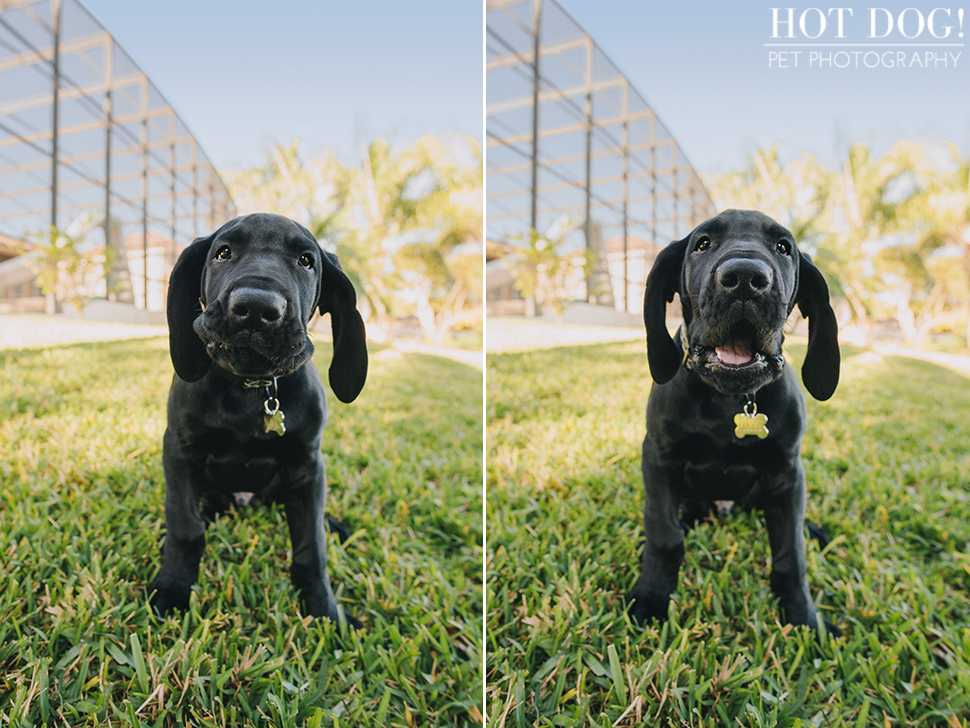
{"x": 725, "y": 469}
{"x": 234, "y": 463}
{"x": 719, "y": 480}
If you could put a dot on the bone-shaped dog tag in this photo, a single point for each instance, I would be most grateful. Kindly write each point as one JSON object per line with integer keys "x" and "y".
{"x": 274, "y": 423}
{"x": 750, "y": 424}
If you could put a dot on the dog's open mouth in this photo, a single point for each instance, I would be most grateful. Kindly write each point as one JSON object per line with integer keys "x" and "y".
{"x": 740, "y": 349}
{"x": 737, "y": 359}
{"x": 733, "y": 355}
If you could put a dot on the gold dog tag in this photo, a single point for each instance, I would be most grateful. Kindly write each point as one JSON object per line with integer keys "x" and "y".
{"x": 273, "y": 417}
{"x": 750, "y": 423}
{"x": 274, "y": 423}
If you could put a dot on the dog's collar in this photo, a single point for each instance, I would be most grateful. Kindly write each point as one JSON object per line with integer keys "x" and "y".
{"x": 247, "y": 382}
{"x": 273, "y": 417}
{"x": 257, "y": 383}
{"x": 685, "y": 345}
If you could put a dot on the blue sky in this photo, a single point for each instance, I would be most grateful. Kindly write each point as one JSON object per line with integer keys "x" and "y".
{"x": 246, "y": 74}
{"x": 703, "y": 66}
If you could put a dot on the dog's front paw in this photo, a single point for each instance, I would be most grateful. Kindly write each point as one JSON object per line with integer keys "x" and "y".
{"x": 318, "y": 602}
{"x": 167, "y": 599}
{"x": 335, "y": 616}
{"x": 646, "y": 608}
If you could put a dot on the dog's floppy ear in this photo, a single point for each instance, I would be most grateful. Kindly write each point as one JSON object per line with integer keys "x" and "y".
{"x": 348, "y": 368}
{"x": 820, "y": 371}
{"x": 662, "y": 283}
{"x": 184, "y": 290}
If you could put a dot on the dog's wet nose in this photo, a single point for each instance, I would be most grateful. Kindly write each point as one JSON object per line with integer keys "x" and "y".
{"x": 744, "y": 277}
{"x": 255, "y": 308}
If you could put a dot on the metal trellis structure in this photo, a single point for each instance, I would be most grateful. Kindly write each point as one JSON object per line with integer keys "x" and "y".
{"x": 571, "y": 144}
{"x": 83, "y": 131}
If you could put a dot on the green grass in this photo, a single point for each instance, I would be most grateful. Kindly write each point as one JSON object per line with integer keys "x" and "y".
{"x": 888, "y": 467}
{"x": 81, "y": 494}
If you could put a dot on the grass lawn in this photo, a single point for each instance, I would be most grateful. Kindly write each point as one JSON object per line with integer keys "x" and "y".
{"x": 81, "y": 511}
{"x": 888, "y": 467}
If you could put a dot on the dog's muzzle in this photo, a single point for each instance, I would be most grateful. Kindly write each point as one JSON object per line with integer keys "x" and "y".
{"x": 740, "y": 348}
{"x": 250, "y": 333}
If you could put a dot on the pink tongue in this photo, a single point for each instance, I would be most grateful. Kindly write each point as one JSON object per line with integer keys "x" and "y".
{"x": 734, "y": 353}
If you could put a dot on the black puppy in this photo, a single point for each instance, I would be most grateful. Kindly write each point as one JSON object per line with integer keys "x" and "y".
{"x": 725, "y": 418}
{"x": 247, "y": 408}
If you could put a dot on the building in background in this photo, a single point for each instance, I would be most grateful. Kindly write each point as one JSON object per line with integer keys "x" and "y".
{"x": 18, "y": 286}
{"x": 87, "y": 141}
{"x": 573, "y": 147}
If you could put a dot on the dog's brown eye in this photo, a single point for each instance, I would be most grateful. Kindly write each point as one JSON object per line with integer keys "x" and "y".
{"x": 223, "y": 253}
{"x": 306, "y": 261}
{"x": 703, "y": 244}
{"x": 784, "y": 247}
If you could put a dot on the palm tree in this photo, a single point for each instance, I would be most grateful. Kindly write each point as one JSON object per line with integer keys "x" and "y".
{"x": 406, "y": 218}
{"x": 399, "y": 224}
{"x": 939, "y": 213}
{"x": 445, "y": 263}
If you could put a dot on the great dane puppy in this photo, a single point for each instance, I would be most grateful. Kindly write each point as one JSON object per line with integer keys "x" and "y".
{"x": 247, "y": 408}
{"x": 725, "y": 418}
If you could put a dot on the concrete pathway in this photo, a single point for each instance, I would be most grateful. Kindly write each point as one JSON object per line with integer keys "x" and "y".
{"x": 502, "y": 334}
{"x": 25, "y": 331}
{"x": 520, "y": 334}
{"x": 956, "y": 362}
{"x": 32, "y": 331}
{"x": 472, "y": 358}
